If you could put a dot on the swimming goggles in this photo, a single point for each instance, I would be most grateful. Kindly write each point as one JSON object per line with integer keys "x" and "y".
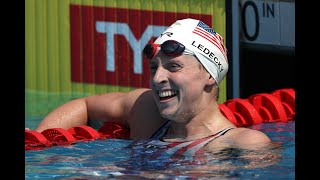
{"x": 169, "y": 48}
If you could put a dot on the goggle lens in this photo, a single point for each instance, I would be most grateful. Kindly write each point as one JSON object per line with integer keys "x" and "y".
{"x": 169, "y": 48}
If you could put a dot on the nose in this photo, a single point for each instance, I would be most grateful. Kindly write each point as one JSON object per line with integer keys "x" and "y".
{"x": 160, "y": 77}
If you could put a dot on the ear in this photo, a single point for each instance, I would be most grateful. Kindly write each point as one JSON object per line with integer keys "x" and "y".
{"x": 211, "y": 81}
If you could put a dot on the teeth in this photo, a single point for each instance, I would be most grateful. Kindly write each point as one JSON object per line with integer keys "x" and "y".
{"x": 167, "y": 93}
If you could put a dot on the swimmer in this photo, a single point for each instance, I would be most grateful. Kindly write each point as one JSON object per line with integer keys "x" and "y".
{"x": 187, "y": 62}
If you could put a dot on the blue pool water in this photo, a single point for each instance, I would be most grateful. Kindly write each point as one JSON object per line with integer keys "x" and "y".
{"x": 113, "y": 159}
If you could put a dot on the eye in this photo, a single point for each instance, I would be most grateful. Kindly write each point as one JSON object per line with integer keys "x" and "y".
{"x": 173, "y": 67}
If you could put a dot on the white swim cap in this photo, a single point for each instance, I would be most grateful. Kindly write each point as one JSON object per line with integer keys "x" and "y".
{"x": 206, "y": 44}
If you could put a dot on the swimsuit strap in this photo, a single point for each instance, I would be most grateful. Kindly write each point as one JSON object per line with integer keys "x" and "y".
{"x": 164, "y": 128}
{"x": 161, "y": 131}
{"x": 188, "y": 148}
{"x": 222, "y": 132}
{"x": 207, "y": 139}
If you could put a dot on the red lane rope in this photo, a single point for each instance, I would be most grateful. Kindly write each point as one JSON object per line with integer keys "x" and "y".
{"x": 58, "y": 136}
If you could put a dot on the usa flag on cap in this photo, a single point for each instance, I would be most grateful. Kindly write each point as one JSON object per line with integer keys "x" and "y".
{"x": 209, "y": 34}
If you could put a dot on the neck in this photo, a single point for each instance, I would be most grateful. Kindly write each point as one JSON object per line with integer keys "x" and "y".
{"x": 207, "y": 122}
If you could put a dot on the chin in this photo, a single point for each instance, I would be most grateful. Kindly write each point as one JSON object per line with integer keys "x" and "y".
{"x": 167, "y": 115}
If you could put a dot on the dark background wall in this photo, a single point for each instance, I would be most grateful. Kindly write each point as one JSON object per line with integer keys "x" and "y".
{"x": 265, "y": 71}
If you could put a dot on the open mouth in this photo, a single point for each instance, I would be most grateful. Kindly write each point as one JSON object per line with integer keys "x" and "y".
{"x": 167, "y": 94}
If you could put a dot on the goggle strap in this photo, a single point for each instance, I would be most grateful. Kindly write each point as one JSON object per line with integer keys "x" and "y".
{"x": 187, "y": 52}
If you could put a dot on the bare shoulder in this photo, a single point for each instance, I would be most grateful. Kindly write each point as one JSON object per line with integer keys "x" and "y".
{"x": 134, "y": 94}
{"x": 114, "y": 105}
{"x": 139, "y": 97}
{"x": 244, "y": 138}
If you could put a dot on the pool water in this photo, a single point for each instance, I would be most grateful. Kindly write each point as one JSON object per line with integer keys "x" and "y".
{"x": 115, "y": 159}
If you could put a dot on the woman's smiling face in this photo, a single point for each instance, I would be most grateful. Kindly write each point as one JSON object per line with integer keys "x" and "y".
{"x": 178, "y": 85}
